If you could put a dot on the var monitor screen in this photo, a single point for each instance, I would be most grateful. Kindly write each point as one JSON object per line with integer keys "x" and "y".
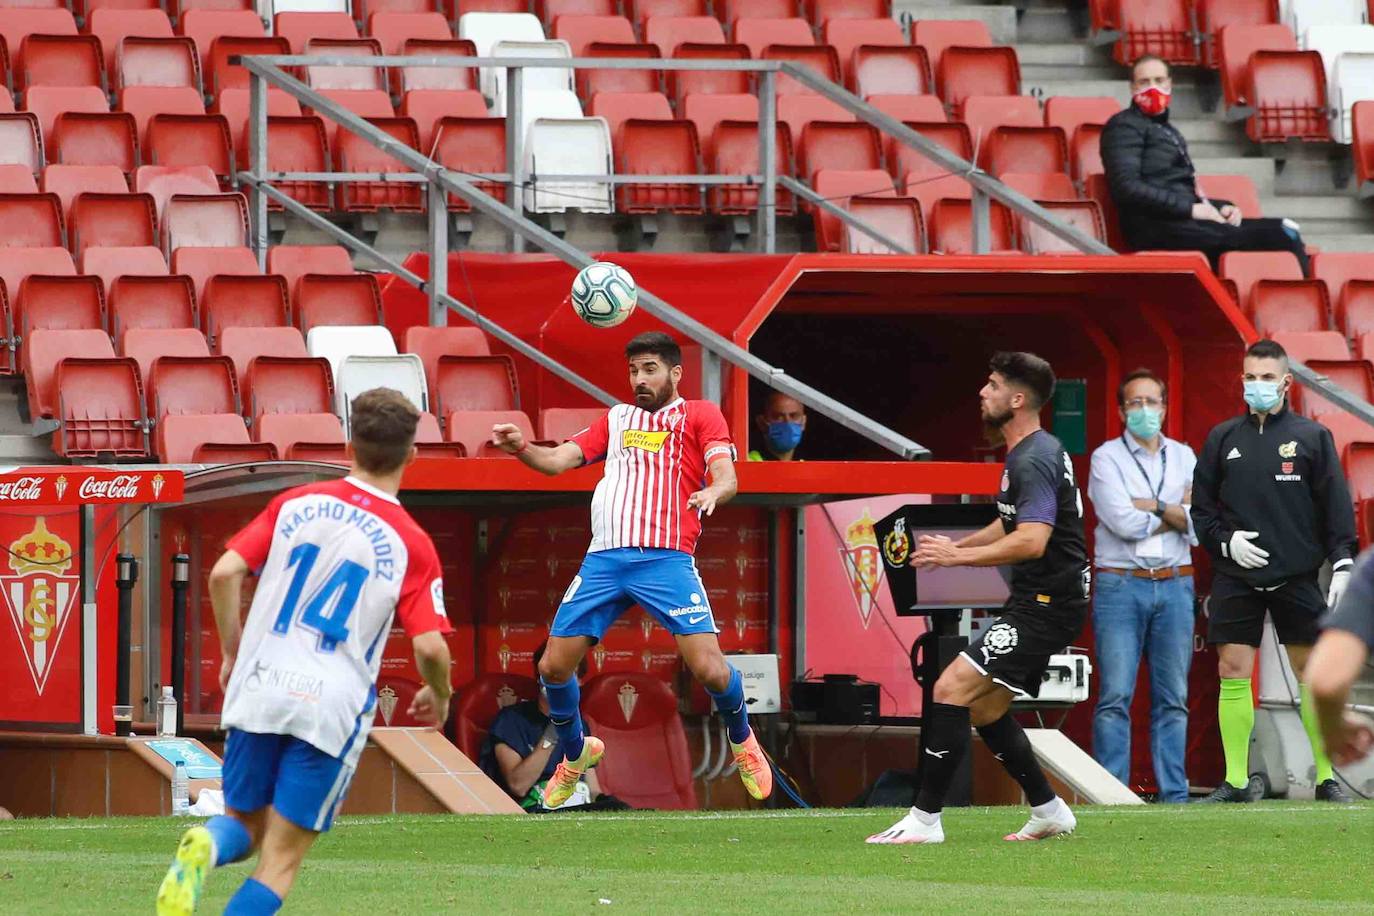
{"x": 921, "y": 591}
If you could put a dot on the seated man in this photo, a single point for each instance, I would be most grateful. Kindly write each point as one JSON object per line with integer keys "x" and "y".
{"x": 1154, "y": 185}
{"x": 781, "y": 424}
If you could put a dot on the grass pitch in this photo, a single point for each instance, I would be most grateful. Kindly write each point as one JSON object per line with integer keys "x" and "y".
{"x": 1265, "y": 858}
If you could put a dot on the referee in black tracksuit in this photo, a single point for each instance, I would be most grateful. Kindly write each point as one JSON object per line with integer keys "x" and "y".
{"x": 1271, "y": 505}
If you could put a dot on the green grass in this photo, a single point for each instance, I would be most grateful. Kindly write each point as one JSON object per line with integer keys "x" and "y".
{"x": 1266, "y": 858}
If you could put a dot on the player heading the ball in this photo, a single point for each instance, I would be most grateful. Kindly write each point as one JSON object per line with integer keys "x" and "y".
{"x": 336, "y": 561}
{"x": 646, "y": 516}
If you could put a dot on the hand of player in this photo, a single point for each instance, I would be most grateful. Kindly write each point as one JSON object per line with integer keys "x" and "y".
{"x": 935, "y": 550}
{"x": 705, "y": 500}
{"x": 1205, "y": 212}
{"x": 507, "y": 437}
{"x": 1231, "y": 213}
{"x": 1355, "y": 742}
{"x": 226, "y": 668}
{"x": 428, "y": 707}
{"x": 1340, "y": 581}
{"x": 1246, "y": 554}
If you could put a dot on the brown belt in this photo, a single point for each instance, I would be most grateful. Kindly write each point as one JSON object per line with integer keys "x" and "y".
{"x": 1164, "y": 572}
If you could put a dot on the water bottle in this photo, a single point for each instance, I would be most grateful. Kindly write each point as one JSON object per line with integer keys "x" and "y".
{"x": 166, "y": 714}
{"x": 181, "y": 791}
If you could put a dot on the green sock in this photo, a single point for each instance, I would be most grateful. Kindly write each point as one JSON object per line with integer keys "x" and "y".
{"x": 1236, "y": 715}
{"x": 1314, "y": 734}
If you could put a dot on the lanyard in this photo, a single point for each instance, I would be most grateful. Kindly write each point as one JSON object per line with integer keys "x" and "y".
{"x": 1163, "y": 464}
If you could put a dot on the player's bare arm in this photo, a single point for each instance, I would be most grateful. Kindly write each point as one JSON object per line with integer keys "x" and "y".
{"x": 1027, "y": 542}
{"x": 1333, "y": 667}
{"x": 521, "y": 774}
{"x": 544, "y": 459}
{"x": 226, "y": 589}
{"x": 724, "y": 486}
{"x": 432, "y": 660}
{"x": 993, "y": 532}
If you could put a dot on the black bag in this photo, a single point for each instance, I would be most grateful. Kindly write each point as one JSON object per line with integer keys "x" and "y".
{"x": 892, "y": 789}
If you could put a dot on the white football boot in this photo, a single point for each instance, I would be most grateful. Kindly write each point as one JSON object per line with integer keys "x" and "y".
{"x": 911, "y": 829}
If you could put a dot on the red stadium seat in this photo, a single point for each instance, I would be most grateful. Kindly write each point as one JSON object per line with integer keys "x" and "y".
{"x": 95, "y": 139}
{"x": 67, "y": 181}
{"x": 618, "y": 107}
{"x": 473, "y": 383}
{"x": 1085, "y": 151}
{"x": 146, "y": 345}
{"x": 1289, "y": 305}
{"x": 9, "y": 356}
{"x": 1236, "y": 46}
{"x": 187, "y": 140}
{"x": 1025, "y": 149}
{"x": 1288, "y": 91}
{"x": 17, "y": 23}
{"x": 472, "y": 145}
{"x": 559, "y": 424}
{"x": 297, "y": 144}
{"x": 345, "y": 78}
{"x": 291, "y": 262}
{"x": 729, "y": 11}
{"x": 479, "y": 702}
{"x": 684, "y": 83}
{"x": 848, "y": 35}
{"x": 363, "y": 103}
{"x": 951, "y": 227}
{"x": 898, "y": 218}
{"x": 166, "y": 61}
{"x": 287, "y": 385}
{"x": 935, "y": 35}
{"x": 1354, "y": 375}
{"x": 472, "y": 430}
{"x": 1084, "y": 215}
{"x": 304, "y": 437}
{"x": 1215, "y": 15}
{"x": 364, "y": 10}
{"x": 336, "y": 299}
{"x": 1248, "y": 267}
{"x": 838, "y": 186}
{"x": 658, "y": 147}
{"x": 21, "y": 143}
{"x": 590, "y": 82}
{"x": 889, "y": 71}
{"x": 428, "y": 107}
{"x": 31, "y": 221}
{"x": 819, "y": 58}
{"x": 1362, "y": 146}
{"x": 667, "y": 32}
{"x": 823, "y": 11}
{"x": 205, "y": 26}
{"x": 181, "y": 386}
{"x": 59, "y": 303}
{"x": 757, "y": 34}
{"x": 406, "y": 79}
{"x": 1160, "y": 27}
{"x": 219, "y": 74}
{"x": 48, "y": 102}
{"x": 929, "y": 190}
{"x": 706, "y": 110}
{"x": 581, "y": 31}
{"x": 299, "y": 28}
{"x": 202, "y": 263}
{"x": 354, "y": 154}
{"x": 125, "y": 219}
{"x": 246, "y": 301}
{"x": 735, "y": 151}
{"x": 909, "y": 107}
{"x": 640, "y": 10}
{"x": 1364, "y": 346}
{"x": 797, "y": 111}
{"x": 1068, "y": 113}
{"x": 145, "y": 101}
{"x": 1307, "y": 346}
{"x": 205, "y": 221}
{"x": 651, "y": 767}
{"x": 551, "y": 11}
{"x": 18, "y": 179}
{"x": 1041, "y": 185}
{"x": 151, "y": 303}
{"x": 984, "y": 114}
{"x": 207, "y": 439}
{"x": 1336, "y": 269}
{"x": 113, "y": 24}
{"x": 1347, "y": 429}
{"x": 966, "y": 72}
{"x": 903, "y": 162}
{"x": 850, "y": 145}
{"x": 429, "y": 440}
{"x": 244, "y": 344}
{"x": 43, "y": 350}
{"x": 178, "y": 8}
{"x": 394, "y": 29}
{"x": 100, "y": 407}
{"x": 109, "y": 263}
{"x": 59, "y": 60}
{"x": 18, "y": 263}
{"x": 432, "y": 343}
{"x": 1355, "y": 309}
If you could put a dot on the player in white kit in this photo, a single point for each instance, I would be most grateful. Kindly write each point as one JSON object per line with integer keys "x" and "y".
{"x": 336, "y": 561}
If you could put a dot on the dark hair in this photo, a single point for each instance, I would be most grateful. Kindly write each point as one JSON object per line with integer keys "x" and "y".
{"x": 1146, "y": 58}
{"x": 1267, "y": 349}
{"x": 655, "y": 343}
{"x": 1027, "y": 371}
{"x": 1136, "y": 376}
{"x": 382, "y": 428}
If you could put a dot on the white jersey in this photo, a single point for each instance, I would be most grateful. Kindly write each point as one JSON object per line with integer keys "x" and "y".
{"x": 336, "y": 561}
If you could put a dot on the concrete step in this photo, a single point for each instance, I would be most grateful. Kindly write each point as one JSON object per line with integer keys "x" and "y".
{"x": 1000, "y": 19}
{"x": 1044, "y": 88}
{"x": 1047, "y": 24}
{"x": 1304, "y": 207}
{"x": 1342, "y": 242}
{"x": 1210, "y": 130}
{"x": 1260, "y": 171}
{"x": 1059, "y": 55}
{"x": 21, "y": 449}
{"x": 1051, "y": 70}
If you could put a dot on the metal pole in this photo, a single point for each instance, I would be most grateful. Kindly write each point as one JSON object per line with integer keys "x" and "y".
{"x": 181, "y": 583}
{"x": 437, "y": 284}
{"x": 515, "y": 153}
{"x": 982, "y": 222}
{"x": 711, "y": 381}
{"x": 126, "y": 574}
{"x": 768, "y": 162}
{"x": 90, "y": 623}
{"x": 257, "y": 160}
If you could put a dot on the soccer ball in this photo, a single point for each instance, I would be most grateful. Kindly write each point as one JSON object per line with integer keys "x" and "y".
{"x": 604, "y": 294}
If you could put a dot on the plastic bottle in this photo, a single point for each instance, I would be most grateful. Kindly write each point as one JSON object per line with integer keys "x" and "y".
{"x": 181, "y": 790}
{"x": 166, "y": 714}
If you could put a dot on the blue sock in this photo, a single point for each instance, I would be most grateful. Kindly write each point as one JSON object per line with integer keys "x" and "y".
{"x": 253, "y": 899}
{"x": 232, "y": 840}
{"x": 730, "y": 702}
{"x": 564, "y": 700}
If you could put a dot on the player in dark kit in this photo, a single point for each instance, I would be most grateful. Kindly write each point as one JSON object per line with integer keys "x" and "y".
{"x": 1039, "y": 534}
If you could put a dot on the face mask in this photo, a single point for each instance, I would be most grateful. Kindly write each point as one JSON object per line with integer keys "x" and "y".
{"x": 1144, "y": 422}
{"x": 1152, "y": 100}
{"x": 784, "y": 436}
{"x": 1263, "y": 396}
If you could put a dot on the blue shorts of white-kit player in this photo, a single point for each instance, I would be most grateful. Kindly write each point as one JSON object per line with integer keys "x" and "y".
{"x": 304, "y": 784}
{"x": 663, "y": 582}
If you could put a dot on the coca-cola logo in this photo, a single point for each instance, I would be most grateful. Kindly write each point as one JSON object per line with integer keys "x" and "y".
{"x": 122, "y": 486}
{"x": 22, "y": 489}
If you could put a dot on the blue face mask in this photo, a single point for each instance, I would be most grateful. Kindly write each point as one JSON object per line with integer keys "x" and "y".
{"x": 1144, "y": 422}
{"x": 1263, "y": 396}
{"x": 784, "y": 436}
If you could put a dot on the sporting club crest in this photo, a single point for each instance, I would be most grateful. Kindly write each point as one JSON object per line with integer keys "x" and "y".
{"x": 861, "y": 563}
{"x": 629, "y": 699}
{"x": 386, "y": 702}
{"x": 40, "y": 598}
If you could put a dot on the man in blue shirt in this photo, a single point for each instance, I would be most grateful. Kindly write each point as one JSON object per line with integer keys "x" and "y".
{"x": 1140, "y": 486}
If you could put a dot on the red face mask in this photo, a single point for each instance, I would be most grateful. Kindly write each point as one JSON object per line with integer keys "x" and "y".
{"x": 1152, "y": 100}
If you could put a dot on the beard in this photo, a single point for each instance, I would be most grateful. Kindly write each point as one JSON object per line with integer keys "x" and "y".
{"x": 993, "y": 425}
{"x": 650, "y": 400}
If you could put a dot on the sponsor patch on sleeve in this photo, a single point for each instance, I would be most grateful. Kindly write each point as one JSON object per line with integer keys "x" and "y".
{"x": 718, "y": 450}
{"x": 436, "y": 592}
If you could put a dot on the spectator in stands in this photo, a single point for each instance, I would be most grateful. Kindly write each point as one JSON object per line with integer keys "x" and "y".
{"x": 781, "y": 424}
{"x": 1141, "y": 487}
{"x": 1155, "y": 189}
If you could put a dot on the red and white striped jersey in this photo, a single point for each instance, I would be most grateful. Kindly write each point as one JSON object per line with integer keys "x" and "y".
{"x": 654, "y": 461}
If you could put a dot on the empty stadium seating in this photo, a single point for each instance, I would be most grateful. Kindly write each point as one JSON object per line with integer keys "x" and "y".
{"x": 151, "y": 302}
{"x": 951, "y": 227}
{"x": 1246, "y": 268}
{"x": 479, "y": 702}
{"x": 897, "y": 218}
{"x": 1289, "y": 305}
{"x": 651, "y": 739}
{"x": 472, "y": 430}
{"x": 244, "y": 301}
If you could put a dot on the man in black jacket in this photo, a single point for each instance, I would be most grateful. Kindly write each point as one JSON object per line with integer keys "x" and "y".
{"x": 1270, "y": 504}
{"x": 1154, "y": 185}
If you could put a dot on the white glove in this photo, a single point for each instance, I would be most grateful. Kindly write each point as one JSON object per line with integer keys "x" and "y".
{"x": 1339, "y": 580}
{"x": 1246, "y": 555}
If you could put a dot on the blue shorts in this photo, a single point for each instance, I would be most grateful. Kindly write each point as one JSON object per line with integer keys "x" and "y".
{"x": 302, "y": 782}
{"x": 663, "y": 582}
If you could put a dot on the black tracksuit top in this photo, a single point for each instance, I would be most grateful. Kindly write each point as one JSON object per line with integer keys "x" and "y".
{"x": 1283, "y": 480}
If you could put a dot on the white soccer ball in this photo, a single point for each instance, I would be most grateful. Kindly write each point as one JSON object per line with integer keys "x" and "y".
{"x": 604, "y": 294}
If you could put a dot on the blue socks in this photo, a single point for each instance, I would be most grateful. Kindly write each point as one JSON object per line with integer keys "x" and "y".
{"x": 253, "y": 899}
{"x": 730, "y": 703}
{"x": 232, "y": 841}
{"x": 564, "y": 700}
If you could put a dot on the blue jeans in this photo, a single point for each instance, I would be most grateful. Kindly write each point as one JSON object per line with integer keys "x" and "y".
{"x": 1132, "y": 615}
